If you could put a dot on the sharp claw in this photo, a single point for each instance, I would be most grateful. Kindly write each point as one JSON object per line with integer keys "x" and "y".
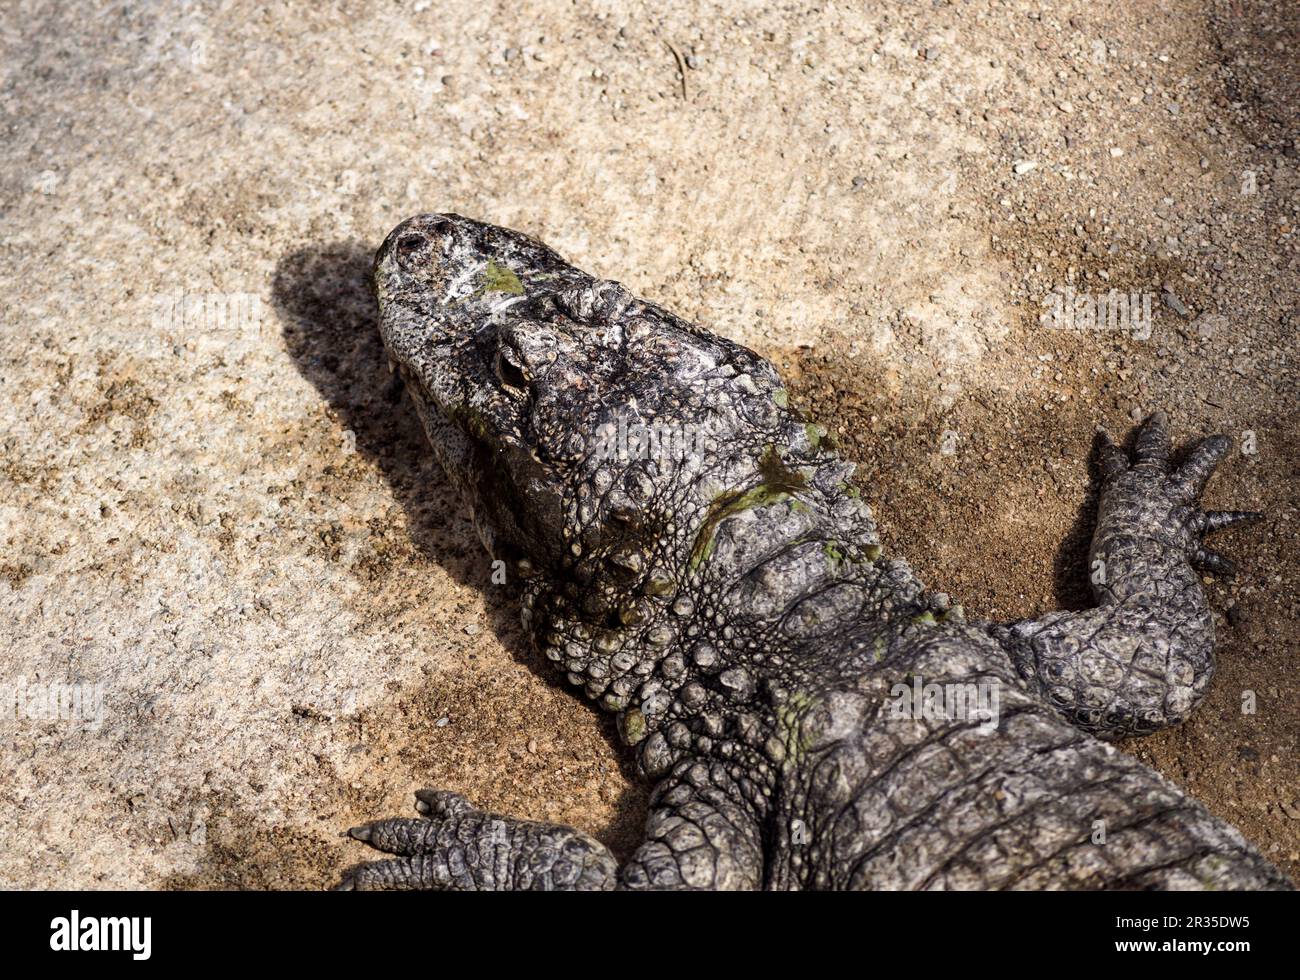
{"x": 444, "y": 803}
{"x": 1212, "y": 561}
{"x": 1201, "y": 461}
{"x": 1221, "y": 520}
{"x": 1152, "y": 446}
{"x": 1114, "y": 461}
{"x": 346, "y": 885}
{"x": 361, "y": 833}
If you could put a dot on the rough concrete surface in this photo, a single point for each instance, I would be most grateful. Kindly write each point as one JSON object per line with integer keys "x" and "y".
{"x": 225, "y": 547}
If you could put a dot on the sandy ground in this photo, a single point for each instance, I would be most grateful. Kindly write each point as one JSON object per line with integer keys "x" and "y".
{"x": 221, "y": 531}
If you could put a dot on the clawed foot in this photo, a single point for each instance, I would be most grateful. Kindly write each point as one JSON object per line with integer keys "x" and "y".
{"x": 427, "y": 847}
{"x": 1145, "y": 497}
{"x": 454, "y": 846}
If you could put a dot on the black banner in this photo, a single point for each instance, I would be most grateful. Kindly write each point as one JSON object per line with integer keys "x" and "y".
{"x": 227, "y": 929}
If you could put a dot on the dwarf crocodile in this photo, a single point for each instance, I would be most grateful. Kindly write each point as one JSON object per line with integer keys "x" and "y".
{"x": 696, "y": 558}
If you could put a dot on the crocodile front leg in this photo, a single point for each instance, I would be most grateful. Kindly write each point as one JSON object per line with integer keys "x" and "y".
{"x": 1143, "y": 657}
{"x": 700, "y": 835}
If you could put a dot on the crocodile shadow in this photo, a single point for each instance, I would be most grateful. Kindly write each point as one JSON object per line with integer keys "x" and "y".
{"x": 1071, "y": 582}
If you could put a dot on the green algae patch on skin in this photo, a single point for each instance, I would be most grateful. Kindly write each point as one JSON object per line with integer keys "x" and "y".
{"x": 779, "y": 483}
{"x": 723, "y": 507}
{"x": 632, "y": 726}
{"x": 500, "y": 279}
{"x": 778, "y": 475}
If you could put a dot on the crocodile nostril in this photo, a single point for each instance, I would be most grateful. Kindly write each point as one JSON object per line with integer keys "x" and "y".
{"x": 409, "y": 249}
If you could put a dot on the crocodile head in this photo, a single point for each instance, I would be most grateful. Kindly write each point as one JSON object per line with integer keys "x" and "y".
{"x": 446, "y": 288}
{"x": 561, "y": 405}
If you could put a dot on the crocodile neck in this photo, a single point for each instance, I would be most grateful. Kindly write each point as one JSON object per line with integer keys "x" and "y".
{"x": 786, "y": 590}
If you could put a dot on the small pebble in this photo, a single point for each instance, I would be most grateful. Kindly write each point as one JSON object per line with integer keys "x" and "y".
{"x": 1175, "y": 304}
{"x": 1209, "y": 324}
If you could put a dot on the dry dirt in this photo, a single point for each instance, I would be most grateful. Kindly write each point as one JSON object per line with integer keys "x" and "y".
{"x": 217, "y": 513}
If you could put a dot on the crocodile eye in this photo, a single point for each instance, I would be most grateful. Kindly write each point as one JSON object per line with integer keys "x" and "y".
{"x": 508, "y": 370}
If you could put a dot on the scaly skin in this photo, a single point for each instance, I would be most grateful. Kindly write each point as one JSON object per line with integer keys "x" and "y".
{"x": 728, "y": 599}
